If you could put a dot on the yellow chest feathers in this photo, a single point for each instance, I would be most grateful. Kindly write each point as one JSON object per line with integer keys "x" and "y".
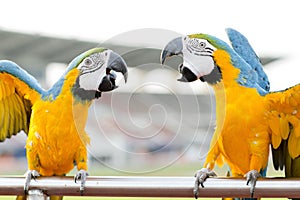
{"x": 58, "y": 125}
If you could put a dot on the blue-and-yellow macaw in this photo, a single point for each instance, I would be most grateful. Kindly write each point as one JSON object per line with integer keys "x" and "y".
{"x": 55, "y": 120}
{"x": 248, "y": 120}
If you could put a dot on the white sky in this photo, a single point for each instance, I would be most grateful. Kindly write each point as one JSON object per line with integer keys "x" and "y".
{"x": 271, "y": 26}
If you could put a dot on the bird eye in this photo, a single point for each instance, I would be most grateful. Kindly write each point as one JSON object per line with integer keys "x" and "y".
{"x": 202, "y": 44}
{"x": 88, "y": 62}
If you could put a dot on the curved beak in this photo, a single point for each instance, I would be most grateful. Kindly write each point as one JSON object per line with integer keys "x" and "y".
{"x": 115, "y": 64}
{"x": 174, "y": 47}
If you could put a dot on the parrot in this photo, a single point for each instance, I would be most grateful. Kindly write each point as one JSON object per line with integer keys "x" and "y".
{"x": 54, "y": 119}
{"x": 249, "y": 118}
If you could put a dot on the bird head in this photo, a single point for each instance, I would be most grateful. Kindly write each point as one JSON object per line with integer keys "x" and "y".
{"x": 209, "y": 59}
{"x": 198, "y": 58}
{"x": 97, "y": 72}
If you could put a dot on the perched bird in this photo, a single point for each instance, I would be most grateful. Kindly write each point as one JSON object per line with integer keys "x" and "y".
{"x": 55, "y": 119}
{"x": 247, "y": 120}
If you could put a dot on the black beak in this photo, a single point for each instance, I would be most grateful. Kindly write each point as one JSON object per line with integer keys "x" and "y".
{"x": 117, "y": 64}
{"x": 187, "y": 75}
{"x": 174, "y": 47}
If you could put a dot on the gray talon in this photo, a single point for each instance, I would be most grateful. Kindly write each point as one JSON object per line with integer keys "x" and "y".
{"x": 252, "y": 177}
{"x": 81, "y": 175}
{"x": 31, "y": 174}
{"x": 201, "y": 175}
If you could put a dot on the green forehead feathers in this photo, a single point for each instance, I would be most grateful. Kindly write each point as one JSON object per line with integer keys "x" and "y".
{"x": 76, "y": 61}
{"x": 211, "y": 39}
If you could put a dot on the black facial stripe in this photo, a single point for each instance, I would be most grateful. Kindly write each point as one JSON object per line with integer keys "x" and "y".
{"x": 210, "y": 49}
{"x": 200, "y": 54}
{"x": 187, "y": 47}
{"x": 214, "y": 77}
{"x": 91, "y": 70}
{"x": 98, "y": 58}
{"x": 202, "y": 51}
{"x": 191, "y": 49}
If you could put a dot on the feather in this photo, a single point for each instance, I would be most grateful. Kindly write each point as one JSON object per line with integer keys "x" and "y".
{"x": 273, "y": 123}
{"x": 293, "y": 145}
{"x": 284, "y": 127}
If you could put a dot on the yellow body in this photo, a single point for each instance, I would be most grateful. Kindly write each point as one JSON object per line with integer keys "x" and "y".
{"x": 57, "y": 139}
{"x": 243, "y": 133}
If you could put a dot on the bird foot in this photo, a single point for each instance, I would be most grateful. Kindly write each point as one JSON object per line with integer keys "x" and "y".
{"x": 31, "y": 174}
{"x": 252, "y": 177}
{"x": 81, "y": 175}
{"x": 201, "y": 175}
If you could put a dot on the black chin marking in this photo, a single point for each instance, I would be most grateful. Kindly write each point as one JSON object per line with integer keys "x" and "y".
{"x": 86, "y": 94}
{"x": 83, "y": 94}
{"x": 187, "y": 75}
{"x": 98, "y": 94}
{"x": 214, "y": 77}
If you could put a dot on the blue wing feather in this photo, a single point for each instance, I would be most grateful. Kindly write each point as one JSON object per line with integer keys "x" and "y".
{"x": 13, "y": 69}
{"x": 248, "y": 76}
{"x": 18, "y": 91}
{"x": 242, "y": 46}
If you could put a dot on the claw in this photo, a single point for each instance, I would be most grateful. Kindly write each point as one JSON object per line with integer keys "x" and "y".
{"x": 31, "y": 174}
{"x": 252, "y": 177}
{"x": 201, "y": 175}
{"x": 81, "y": 175}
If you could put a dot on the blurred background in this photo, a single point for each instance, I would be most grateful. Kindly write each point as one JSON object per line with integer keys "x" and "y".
{"x": 153, "y": 124}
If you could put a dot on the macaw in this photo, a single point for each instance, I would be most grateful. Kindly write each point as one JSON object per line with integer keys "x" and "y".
{"x": 247, "y": 121}
{"x": 55, "y": 119}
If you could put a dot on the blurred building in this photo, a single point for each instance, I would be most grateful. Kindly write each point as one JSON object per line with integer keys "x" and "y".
{"x": 153, "y": 119}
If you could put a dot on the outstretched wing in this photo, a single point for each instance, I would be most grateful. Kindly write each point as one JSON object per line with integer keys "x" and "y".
{"x": 284, "y": 123}
{"x": 18, "y": 91}
{"x": 241, "y": 45}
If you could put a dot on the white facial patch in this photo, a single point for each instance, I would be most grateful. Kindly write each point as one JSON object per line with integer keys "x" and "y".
{"x": 93, "y": 69}
{"x": 197, "y": 56}
{"x": 91, "y": 81}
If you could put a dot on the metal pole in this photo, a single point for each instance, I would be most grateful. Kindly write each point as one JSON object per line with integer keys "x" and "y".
{"x": 126, "y": 186}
